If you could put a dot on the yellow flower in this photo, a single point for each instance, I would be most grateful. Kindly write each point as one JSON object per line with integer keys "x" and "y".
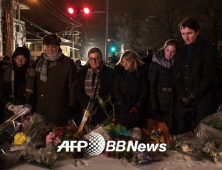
{"x": 161, "y": 139}
{"x": 19, "y": 138}
{"x": 157, "y": 139}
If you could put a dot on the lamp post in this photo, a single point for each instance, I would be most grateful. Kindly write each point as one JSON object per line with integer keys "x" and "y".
{"x": 107, "y": 29}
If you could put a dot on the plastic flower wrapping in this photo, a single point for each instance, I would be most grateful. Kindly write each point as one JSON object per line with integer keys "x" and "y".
{"x": 10, "y": 127}
{"x": 147, "y": 135}
{"x": 16, "y": 138}
{"x": 204, "y": 143}
{"x": 39, "y": 145}
{"x": 154, "y": 132}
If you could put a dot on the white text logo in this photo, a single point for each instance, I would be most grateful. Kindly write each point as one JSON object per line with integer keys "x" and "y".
{"x": 94, "y": 144}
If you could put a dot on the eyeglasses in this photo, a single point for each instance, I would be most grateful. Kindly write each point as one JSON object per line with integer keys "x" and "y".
{"x": 94, "y": 59}
{"x": 21, "y": 59}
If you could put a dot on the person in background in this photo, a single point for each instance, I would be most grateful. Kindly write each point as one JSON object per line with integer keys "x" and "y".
{"x": 78, "y": 64}
{"x": 148, "y": 59}
{"x": 94, "y": 79}
{"x": 17, "y": 86}
{"x": 195, "y": 70}
{"x": 162, "y": 90}
{"x": 7, "y": 59}
{"x": 131, "y": 90}
{"x": 4, "y": 64}
{"x": 111, "y": 63}
{"x": 56, "y": 82}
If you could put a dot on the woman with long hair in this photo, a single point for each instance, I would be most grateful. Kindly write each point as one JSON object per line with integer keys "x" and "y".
{"x": 162, "y": 91}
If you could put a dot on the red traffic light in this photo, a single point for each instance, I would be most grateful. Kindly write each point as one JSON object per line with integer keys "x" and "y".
{"x": 86, "y": 10}
{"x": 71, "y": 10}
{"x": 80, "y": 11}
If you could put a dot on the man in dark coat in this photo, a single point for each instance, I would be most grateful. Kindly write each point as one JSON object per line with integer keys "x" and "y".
{"x": 148, "y": 59}
{"x": 195, "y": 71}
{"x": 94, "y": 79}
{"x": 56, "y": 82}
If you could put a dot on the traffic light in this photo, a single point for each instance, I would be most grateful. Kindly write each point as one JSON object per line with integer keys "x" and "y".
{"x": 84, "y": 10}
{"x": 113, "y": 49}
{"x": 70, "y": 10}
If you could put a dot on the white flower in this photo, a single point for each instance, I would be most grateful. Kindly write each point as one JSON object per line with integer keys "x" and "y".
{"x": 28, "y": 139}
{"x": 185, "y": 148}
{"x": 209, "y": 147}
{"x": 217, "y": 157}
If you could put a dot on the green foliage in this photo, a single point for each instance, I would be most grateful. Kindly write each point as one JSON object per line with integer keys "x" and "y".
{"x": 103, "y": 107}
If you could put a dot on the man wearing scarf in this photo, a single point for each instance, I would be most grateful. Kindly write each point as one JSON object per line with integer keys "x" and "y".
{"x": 56, "y": 82}
{"x": 195, "y": 70}
{"x": 95, "y": 79}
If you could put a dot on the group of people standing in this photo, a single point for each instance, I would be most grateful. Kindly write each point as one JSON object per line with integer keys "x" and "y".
{"x": 177, "y": 88}
{"x": 182, "y": 80}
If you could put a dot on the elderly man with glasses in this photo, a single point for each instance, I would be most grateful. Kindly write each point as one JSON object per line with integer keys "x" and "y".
{"x": 95, "y": 79}
{"x": 56, "y": 82}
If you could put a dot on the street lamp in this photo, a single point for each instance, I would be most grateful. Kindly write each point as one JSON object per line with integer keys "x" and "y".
{"x": 113, "y": 41}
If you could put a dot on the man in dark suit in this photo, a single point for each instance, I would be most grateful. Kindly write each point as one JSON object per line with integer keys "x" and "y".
{"x": 195, "y": 70}
{"x": 94, "y": 79}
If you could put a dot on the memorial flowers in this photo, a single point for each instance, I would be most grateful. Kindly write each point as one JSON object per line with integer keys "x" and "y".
{"x": 205, "y": 143}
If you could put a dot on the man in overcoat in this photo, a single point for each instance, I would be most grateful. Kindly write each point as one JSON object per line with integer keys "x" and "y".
{"x": 195, "y": 71}
{"x": 94, "y": 79}
{"x": 56, "y": 82}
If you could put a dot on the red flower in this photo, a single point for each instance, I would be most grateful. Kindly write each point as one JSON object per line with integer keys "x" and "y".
{"x": 74, "y": 127}
{"x": 68, "y": 127}
{"x": 59, "y": 132}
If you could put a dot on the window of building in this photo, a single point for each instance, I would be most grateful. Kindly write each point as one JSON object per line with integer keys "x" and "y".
{"x": 17, "y": 28}
{"x": 32, "y": 47}
{"x": 38, "y": 47}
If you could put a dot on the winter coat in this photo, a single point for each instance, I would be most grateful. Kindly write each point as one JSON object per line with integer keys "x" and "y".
{"x": 195, "y": 73}
{"x": 130, "y": 89}
{"x": 57, "y": 94}
{"x": 148, "y": 60}
{"x": 23, "y": 92}
{"x": 162, "y": 91}
{"x": 106, "y": 77}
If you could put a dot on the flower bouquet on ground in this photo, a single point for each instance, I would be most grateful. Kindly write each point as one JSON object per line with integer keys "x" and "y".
{"x": 210, "y": 131}
{"x": 156, "y": 135}
{"x": 143, "y": 139}
{"x": 10, "y": 127}
{"x": 154, "y": 132}
{"x": 11, "y": 151}
{"x": 205, "y": 143}
{"x": 48, "y": 154}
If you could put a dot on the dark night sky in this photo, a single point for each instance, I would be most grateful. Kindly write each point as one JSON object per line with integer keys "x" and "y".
{"x": 93, "y": 26}
{"x": 42, "y": 17}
